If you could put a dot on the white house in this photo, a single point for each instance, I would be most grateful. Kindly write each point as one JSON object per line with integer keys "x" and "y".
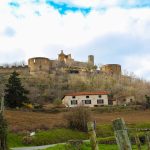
{"x": 89, "y": 99}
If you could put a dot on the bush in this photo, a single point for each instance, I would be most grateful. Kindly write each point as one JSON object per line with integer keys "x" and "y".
{"x": 78, "y": 117}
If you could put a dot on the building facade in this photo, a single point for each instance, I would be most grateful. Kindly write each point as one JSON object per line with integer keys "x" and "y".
{"x": 88, "y": 99}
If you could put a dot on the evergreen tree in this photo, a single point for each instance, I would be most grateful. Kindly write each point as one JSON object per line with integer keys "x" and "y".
{"x": 15, "y": 94}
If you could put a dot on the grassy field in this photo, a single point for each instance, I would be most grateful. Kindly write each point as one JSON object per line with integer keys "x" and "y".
{"x": 86, "y": 146}
{"x": 105, "y": 135}
{"x": 52, "y": 128}
{"x": 31, "y": 121}
{"x": 44, "y": 137}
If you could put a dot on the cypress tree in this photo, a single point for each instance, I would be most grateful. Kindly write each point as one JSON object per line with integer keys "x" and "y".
{"x": 15, "y": 93}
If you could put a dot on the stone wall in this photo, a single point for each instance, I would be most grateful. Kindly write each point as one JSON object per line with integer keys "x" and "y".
{"x": 39, "y": 65}
{"x": 112, "y": 69}
{"x": 19, "y": 69}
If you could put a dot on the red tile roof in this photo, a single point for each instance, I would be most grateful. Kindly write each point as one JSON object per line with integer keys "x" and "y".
{"x": 88, "y": 93}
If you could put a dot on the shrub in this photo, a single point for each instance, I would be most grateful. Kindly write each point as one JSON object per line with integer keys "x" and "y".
{"x": 78, "y": 117}
{"x": 27, "y": 140}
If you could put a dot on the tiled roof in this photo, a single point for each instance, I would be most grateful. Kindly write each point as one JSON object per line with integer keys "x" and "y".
{"x": 88, "y": 93}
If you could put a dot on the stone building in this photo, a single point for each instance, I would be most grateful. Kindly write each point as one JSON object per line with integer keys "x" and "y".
{"x": 87, "y": 99}
{"x": 64, "y": 63}
{"x": 42, "y": 65}
{"x": 111, "y": 69}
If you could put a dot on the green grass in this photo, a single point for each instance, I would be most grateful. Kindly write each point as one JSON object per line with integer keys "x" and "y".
{"x": 105, "y": 135}
{"x": 104, "y": 130}
{"x": 87, "y": 146}
{"x": 15, "y": 140}
{"x": 57, "y": 136}
{"x": 45, "y": 137}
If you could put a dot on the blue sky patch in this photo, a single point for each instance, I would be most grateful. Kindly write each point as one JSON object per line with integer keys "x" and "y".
{"x": 136, "y": 4}
{"x": 14, "y": 4}
{"x": 9, "y": 32}
{"x": 37, "y": 13}
{"x": 63, "y": 8}
{"x": 36, "y": 1}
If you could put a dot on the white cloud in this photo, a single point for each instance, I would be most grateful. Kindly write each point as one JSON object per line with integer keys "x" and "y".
{"x": 48, "y": 33}
{"x": 140, "y": 64}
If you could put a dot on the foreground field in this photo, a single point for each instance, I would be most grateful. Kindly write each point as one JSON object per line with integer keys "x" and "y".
{"x": 87, "y": 147}
{"x": 21, "y": 120}
{"x": 52, "y": 128}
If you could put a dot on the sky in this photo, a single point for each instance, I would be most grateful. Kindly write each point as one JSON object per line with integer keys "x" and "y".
{"x": 114, "y": 31}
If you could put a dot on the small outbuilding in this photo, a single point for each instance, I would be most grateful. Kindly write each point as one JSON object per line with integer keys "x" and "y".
{"x": 89, "y": 99}
{"x": 125, "y": 100}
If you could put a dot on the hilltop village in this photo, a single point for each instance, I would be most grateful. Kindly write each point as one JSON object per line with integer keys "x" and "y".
{"x": 49, "y": 80}
{"x": 64, "y": 63}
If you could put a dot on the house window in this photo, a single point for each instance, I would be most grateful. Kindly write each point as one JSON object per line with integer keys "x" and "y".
{"x": 87, "y": 96}
{"x": 73, "y": 97}
{"x": 100, "y": 101}
{"x": 87, "y": 101}
{"x": 74, "y": 102}
{"x": 99, "y": 96}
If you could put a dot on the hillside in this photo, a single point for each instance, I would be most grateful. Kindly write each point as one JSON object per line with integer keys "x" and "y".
{"x": 52, "y": 87}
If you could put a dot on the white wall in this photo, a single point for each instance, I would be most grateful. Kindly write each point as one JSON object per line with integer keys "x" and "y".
{"x": 67, "y": 100}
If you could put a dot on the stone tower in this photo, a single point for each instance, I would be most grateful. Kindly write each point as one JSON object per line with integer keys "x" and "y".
{"x": 91, "y": 60}
{"x": 61, "y": 56}
{"x": 111, "y": 69}
{"x": 39, "y": 65}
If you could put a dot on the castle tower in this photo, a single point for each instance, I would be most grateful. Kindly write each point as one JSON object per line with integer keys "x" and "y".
{"x": 39, "y": 65}
{"x": 111, "y": 69}
{"x": 61, "y": 56}
{"x": 91, "y": 60}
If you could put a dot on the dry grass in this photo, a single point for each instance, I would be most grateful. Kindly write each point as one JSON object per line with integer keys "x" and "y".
{"x": 19, "y": 120}
{"x": 129, "y": 117}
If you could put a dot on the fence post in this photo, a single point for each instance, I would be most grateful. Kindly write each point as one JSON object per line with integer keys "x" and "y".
{"x": 92, "y": 135}
{"x": 147, "y": 137}
{"x": 3, "y": 128}
{"x": 137, "y": 141}
{"x": 2, "y": 105}
{"x": 121, "y": 134}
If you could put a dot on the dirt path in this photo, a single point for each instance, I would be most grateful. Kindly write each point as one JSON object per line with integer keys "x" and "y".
{"x": 35, "y": 147}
